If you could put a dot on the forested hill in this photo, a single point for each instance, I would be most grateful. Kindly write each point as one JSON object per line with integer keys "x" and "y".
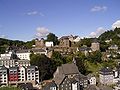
{"x": 4, "y": 43}
{"x": 114, "y": 35}
{"x": 10, "y": 42}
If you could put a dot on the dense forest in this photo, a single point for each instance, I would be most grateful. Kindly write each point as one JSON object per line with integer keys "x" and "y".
{"x": 5, "y": 43}
{"x": 113, "y": 35}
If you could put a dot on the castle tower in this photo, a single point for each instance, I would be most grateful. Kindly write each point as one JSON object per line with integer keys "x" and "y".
{"x": 39, "y": 43}
{"x": 95, "y": 46}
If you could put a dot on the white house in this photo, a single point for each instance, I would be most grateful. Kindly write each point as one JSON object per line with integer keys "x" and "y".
{"x": 106, "y": 76}
{"x": 49, "y": 44}
{"x": 32, "y": 74}
{"x": 91, "y": 79}
{"x": 6, "y": 55}
{"x": 75, "y": 86}
{"x": 3, "y": 75}
{"x": 23, "y": 54}
{"x": 77, "y": 39}
{"x": 21, "y": 74}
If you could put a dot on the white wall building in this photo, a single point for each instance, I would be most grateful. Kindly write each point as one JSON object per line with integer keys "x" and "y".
{"x": 21, "y": 74}
{"x": 3, "y": 76}
{"x": 75, "y": 86}
{"x": 7, "y": 62}
{"x": 92, "y": 81}
{"x": 24, "y": 63}
{"x": 95, "y": 46}
{"x": 39, "y": 51}
{"x": 77, "y": 39}
{"x": 23, "y": 54}
{"x": 32, "y": 74}
{"x": 49, "y": 44}
{"x": 6, "y": 55}
{"x": 106, "y": 76}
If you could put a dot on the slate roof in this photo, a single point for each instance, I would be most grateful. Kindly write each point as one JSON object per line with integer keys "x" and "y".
{"x": 31, "y": 67}
{"x": 59, "y": 76}
{"x": 64, "y": 70}
{"x": 50, "y": 84}
{"x": 13, "y": 68}
{"x": 106, "y": 71}
{"x": 85, "y": 49}
{"x": 38, "y": 50}
{"x": 23, "y": 51}
{"x": 70, "y": 69}
{"x": 3, "y": 68}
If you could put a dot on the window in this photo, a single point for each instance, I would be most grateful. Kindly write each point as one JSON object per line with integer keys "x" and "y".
{"x": 4, "y": 80}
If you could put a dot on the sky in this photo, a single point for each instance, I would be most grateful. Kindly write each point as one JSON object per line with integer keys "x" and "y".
{"x": 27, "y": 19}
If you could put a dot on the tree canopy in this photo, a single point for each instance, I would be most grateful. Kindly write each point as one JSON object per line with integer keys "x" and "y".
{"x": 45, "y": 65}
{"x": 52, "y": 37}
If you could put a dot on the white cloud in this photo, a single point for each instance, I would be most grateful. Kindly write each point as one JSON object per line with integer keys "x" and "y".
{"x": 116, "y": 24}
{"x": 3, "y": 36}
{"x": 42, "y": 32}
{"x": 97, "y": 33}
{"x": 31, "y": 13}
{"x": 98, "y": 8}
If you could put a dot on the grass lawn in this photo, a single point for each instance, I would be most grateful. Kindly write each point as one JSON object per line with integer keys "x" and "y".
{"x": 95, "y": 67}
{"x": 9, "y": 88}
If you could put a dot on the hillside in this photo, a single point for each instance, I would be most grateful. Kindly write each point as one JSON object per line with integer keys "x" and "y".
{"x": 114, "y": 35}
{"x": 5, "y": 43}
{"x": 111, "y": 34}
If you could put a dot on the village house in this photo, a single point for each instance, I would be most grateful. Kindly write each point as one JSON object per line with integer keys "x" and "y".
{"x": 95, "y": 45}
{"x": 68, "y": 77}
{"x": 91, "y": 79}
{"x": 106, "y": 76}
{"x": 3, "y": 75}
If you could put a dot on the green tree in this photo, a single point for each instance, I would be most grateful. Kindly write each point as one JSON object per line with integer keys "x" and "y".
{"x": 95, "y": 57}
{"x": 58, "y": 58}
{"x": 80, "y": 62}
{"x": 29, "y": 44}
{"x": 85, "y": 41}
{"x": 52, "y": 37}
{"x": 45, "y": 65}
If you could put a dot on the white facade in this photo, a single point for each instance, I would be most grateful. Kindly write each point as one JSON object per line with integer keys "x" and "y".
{"x": 114, "y": 47}
{"x": 6, "y": 55}
{"x": 37, "y": 76}
{"x": 32, "y": 74}
{"x": 23, "y": 55}
{"x": 7, "y": 62}
{"x": 49, "y": 44}
{"x": 95, "y": 46}
{"x": 21, "y": 74}
{"x": 41, "y": 52}
{"x": 106, "y": 79}
{"x": 77, "y": 39}
{"x": 3, "y": 76}
{"x": 74, "y": 86}
{"x": 53, "y": 88}
{"x": 92, "y": 81}
{"x": 23, "y": 63}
